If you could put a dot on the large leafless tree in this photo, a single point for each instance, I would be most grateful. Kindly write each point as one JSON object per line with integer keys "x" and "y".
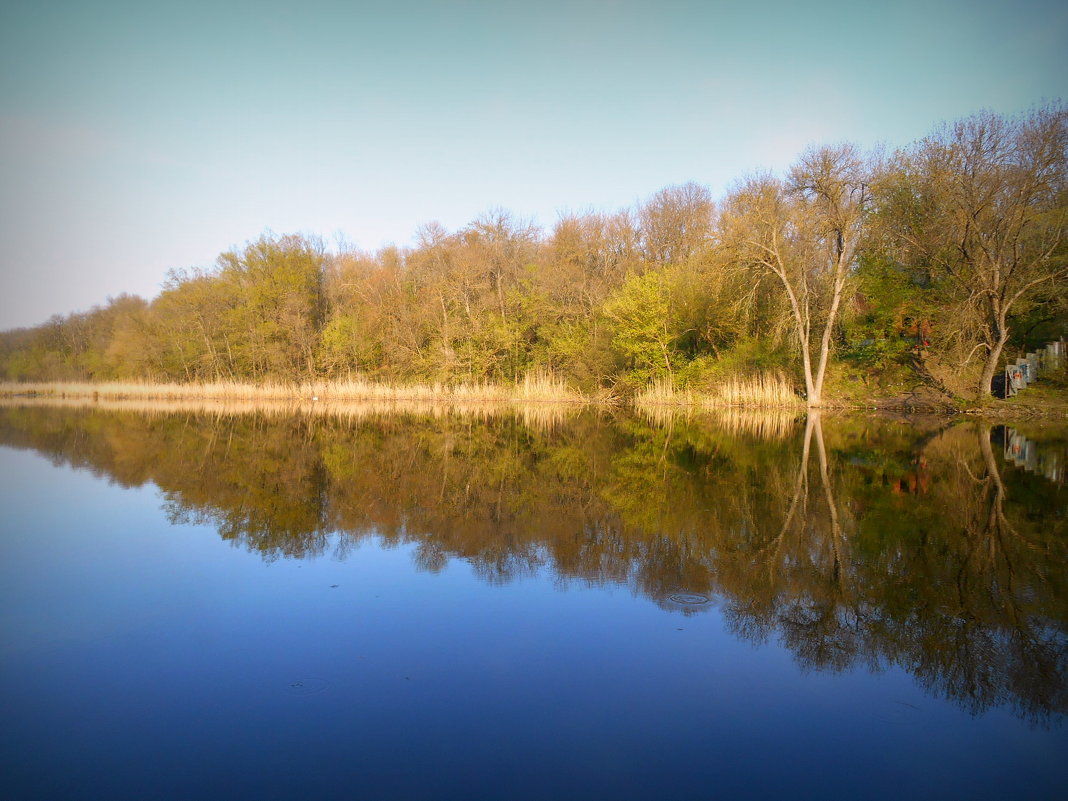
{"x": 982, "y": 204}
{"x": 805, "y": 232}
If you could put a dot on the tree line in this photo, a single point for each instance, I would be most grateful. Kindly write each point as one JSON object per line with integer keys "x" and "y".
{"x": 925, "y": 264}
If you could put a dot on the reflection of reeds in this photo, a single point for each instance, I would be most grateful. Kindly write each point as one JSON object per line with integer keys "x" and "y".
{"x": 778, "y": 424}
{"x": 536, "y": 387}
{"x": 540, "y": 415}
{"x": 761, "y": 390}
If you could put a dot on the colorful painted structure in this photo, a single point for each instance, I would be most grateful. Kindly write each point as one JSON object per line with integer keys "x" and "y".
{"x": 1027, "y": 369}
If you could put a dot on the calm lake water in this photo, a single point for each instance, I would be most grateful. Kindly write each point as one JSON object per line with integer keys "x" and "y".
{"x": 509, "y": 606}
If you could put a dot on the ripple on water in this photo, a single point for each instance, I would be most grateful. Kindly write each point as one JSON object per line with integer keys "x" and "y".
{"x": 307, "y": 686}
{"x": 689, "y": 599}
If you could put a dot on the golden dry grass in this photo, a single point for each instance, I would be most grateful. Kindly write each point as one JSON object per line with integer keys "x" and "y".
{"x": 765, "y": 406}
{"x": 541, "y": 401}
{"x": 541, "y": 416}
{"x": 536, "y": 387}
{"x": 764, "y": 391}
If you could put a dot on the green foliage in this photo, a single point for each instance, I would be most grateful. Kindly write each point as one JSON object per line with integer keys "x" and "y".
{"x": 643, "y": 325}
{"x": 348, "y": 346}
{"x": 280, "y": 305}
{"x": 674, "y": 289}
{"x": 749, "y": 356}
{"x": 893, "y": 315}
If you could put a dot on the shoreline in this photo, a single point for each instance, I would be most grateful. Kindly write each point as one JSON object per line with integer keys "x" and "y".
{"x": 541, "y": 392}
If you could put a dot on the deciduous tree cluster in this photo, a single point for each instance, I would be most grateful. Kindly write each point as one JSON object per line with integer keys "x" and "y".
{"x": 938, "y": 258}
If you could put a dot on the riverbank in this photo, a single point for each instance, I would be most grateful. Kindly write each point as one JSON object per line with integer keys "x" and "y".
{"x": 537, "y": 388}
{"x": 1043, "y": 400}
{"x": 761, "y": 391}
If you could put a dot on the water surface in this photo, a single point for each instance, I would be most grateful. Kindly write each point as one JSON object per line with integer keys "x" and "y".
{"x": 222, "y": 605}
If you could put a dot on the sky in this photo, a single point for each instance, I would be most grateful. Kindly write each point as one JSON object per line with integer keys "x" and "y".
{"x": 139, "y": 137}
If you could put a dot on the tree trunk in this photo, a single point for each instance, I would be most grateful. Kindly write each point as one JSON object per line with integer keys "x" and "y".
{"x": 812, "y": 391}
{"x": 815, "y": 397}
{"x": 993, "y": 359}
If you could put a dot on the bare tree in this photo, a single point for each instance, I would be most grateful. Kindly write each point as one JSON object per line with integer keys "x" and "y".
{"x": 676, "y": 223}
{"x": 804, "y": 232}
{"x": 982, "y": 204}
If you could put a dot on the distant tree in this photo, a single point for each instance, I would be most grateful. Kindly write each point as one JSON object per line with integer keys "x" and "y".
{"x": 369, "y": 327}
{"x": 281, "y": 304}
{"x": 676, "y": 223}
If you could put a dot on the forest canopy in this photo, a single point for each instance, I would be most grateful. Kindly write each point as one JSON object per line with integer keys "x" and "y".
{"x": 933, "y": 264}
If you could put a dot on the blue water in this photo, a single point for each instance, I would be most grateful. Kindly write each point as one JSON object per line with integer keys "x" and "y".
{"x": 148, "y": 660}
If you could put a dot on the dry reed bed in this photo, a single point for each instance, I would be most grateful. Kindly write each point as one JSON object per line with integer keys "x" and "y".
{"x": 534, "y": 388}
{"x": 539, "y": 416}
{"x": 362, "y": 398}
{"x": 769, "y": 412}
{"x": 762, "y": 391}
{"x": 778, "y": 424}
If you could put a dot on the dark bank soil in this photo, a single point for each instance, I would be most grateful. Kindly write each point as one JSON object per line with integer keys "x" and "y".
{"x": 910, "y": 394}
{"x": 1042, "y": 400}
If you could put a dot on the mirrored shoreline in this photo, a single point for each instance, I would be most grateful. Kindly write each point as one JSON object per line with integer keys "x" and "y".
{"x": 858, "y": 543}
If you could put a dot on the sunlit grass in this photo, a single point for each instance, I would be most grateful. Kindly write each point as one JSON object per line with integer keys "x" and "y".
{"x": 541, "y": 415}
{"x": 763, "y": 390}
{"x": 536, "y": 387}
{"x": 540, "y": 400}
{"x": 770, "y": 391}
{"x": 765, "y": 406}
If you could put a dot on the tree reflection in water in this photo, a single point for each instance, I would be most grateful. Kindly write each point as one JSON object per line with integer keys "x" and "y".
{"x": 853, "y": 542}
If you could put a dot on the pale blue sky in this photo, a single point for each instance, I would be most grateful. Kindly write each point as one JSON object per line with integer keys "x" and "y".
{"x": 140, "y": 136}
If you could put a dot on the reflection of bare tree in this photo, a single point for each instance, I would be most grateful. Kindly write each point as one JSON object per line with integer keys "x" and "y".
{"x": 832, "y": 509}
{"x": 798, "y": 498}
{"x": 1007, "y": 642}
{"x": 814, "y": 620}
{"x": 948, "y": 606}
